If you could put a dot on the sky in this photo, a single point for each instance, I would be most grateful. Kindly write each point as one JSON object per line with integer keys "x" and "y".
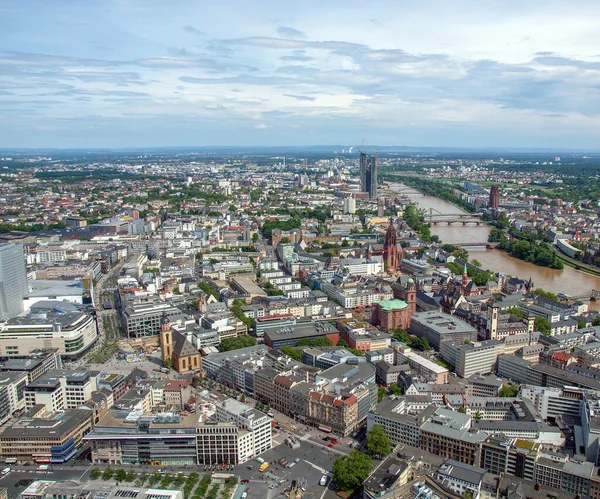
{"x": 150, "y": 73}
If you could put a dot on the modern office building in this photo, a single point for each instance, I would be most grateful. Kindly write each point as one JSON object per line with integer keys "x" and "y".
{"x": 61, "y": 389}
{"x": 34, "y": 365}
{"x": 439, "y": 326}
{"x": 62, "y": 325}
{"x": 472, "y": 358}
{"x": 143, "y": 318}
{"x": 368, "y": 174}
{"x": 132, "y": 437}
{"x": 49, "y": 438}
{"x": 276, "y": 337}
{"x": 448, "y": 433}
{"x": 13, "y": 280}
{"x": 502, "y": 455}
{"x": 256, "y": 429}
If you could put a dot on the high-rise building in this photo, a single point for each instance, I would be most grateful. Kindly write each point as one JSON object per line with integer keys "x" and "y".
{"x": 350, "y": 205}
{"x": 368, "y": 174}
{"x": 494, "y": 197}
{"x": 13, "y": 280}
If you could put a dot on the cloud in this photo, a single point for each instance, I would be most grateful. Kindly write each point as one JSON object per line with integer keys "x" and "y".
{"x": 467, "y": 75}
{"x": 301, "y": 97}
{"x": 193, "y": 31}
{"x": 288, "y": 32}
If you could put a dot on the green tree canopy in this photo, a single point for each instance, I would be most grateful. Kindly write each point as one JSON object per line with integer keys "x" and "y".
{"x": 294, "y": 353}
{"x": 395, "y": 389}
{"x": 509, "y": 391}
{"x": 543, "y": 325}
{"x": 241, "y": 341}
{"x": 352, "y": 470}
{"x": 377, "y": 441}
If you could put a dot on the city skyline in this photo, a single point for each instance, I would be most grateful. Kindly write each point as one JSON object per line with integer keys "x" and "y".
{"x": 132, "y": 74}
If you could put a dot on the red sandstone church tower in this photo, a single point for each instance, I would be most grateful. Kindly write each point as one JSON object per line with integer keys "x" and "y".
{"x": 390, "y": 249}
{"x": 465, "y": 279}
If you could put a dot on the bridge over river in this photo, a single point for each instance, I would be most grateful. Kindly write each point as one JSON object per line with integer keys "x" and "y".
{"x": 592, "y": 294}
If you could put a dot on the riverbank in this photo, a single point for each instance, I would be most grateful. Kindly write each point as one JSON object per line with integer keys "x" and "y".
{"x": 569, "y": 280}
{"x": 576, "y": 264}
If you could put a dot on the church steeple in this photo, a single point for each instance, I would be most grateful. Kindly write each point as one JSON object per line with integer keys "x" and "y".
{"x": 390, "y": 248}
{"x": 166, "y": 339}
{"x": 465, "y": 278}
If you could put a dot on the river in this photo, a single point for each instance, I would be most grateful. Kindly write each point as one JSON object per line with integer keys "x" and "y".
{"x": 568, "y": 281}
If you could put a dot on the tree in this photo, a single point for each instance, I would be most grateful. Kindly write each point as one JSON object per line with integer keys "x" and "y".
{"x": 322, "y": 341}
{"x": 581, "y": 324}
{"x": 130, "y": 476}
{"x": 395, "y": 389}
{"x": 95, "y": 474}
{"x": 294, "y": 353}
{"x": 108, "y": 473}
{"x": 284, "y": 240}
{"x": 168, "y": 363}
{"x": 462, "y": 409}
{"x": 476, "y": 262}
{"x": 377, "y": 441}
{"x": 120, "y": 475}
{"x": 508, "y": 391}
{"x": 241, "y": 341}
{"x": 380, "y": 393}
{"x": 255, "y": 237}
{"x": 401, "y": 335}
{"x": 478, "y": 416}
{"x": 543, "y": 325}
{"x": 420, "y": 343}
{"x": 304, "y": 342}
{"x": 352, "y": 470}
{"x": 596, "y": 321}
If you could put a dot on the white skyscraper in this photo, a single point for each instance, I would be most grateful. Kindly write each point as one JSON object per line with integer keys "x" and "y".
{"x": 13, "y": 280}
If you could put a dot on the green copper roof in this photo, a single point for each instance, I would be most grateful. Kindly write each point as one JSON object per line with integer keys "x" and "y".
{"x": 392, "y": 304}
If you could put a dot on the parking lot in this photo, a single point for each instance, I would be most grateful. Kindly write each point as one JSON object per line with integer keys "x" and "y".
{"x": 314, "y": 461}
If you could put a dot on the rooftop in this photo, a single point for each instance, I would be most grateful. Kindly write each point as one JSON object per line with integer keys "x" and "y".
{"x": 392, "y": 304}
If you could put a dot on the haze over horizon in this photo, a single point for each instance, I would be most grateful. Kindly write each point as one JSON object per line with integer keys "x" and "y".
{"x": 127, "y": 74}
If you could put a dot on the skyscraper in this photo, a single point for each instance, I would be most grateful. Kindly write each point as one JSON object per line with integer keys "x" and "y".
{"x": 494, "y": 197}
{"x": 368, "y": 174}
{"x": 13, "y": 280}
